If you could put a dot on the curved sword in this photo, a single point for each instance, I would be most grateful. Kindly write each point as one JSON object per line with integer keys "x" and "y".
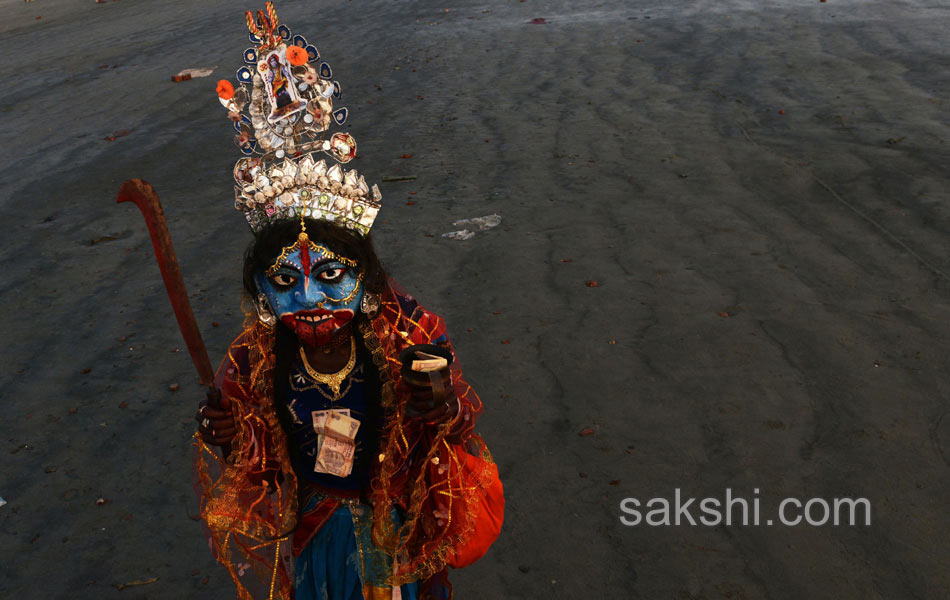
{"x": 143, "y": 195}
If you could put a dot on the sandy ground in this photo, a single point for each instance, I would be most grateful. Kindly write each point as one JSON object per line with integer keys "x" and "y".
{"x": 759, "y": 190}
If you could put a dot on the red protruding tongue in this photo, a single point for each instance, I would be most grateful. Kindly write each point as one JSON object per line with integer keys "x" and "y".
{"x": 317, "y": 334}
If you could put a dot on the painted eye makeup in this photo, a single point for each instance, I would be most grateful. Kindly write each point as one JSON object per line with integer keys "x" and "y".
{"x": 283, "y": 280}
{"x": 331, "y": 275}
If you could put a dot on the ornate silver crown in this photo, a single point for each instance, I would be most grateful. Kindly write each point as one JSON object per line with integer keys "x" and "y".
{"x": 288, "y": 96}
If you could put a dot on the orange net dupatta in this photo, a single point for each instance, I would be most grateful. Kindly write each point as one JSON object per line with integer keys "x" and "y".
{"x": 439, "y": 477}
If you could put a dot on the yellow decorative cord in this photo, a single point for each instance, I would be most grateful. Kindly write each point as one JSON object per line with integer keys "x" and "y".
{"x": 273, "y": 578}
{"x": 288, "y": 250}
{"x": 358, "y": 529}
{"x": 351, "y": 295}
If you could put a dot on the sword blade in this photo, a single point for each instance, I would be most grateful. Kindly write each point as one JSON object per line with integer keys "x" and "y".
{"x": 143, "y": 195}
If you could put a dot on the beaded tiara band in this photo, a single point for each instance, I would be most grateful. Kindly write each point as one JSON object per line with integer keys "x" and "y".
{"x": 282, "y": 112}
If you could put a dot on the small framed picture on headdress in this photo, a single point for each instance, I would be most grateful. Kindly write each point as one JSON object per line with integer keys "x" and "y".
{"x": 280, "y": 87}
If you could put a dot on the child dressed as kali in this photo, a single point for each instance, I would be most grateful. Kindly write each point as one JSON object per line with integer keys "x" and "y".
{"x": 337, "y": 458}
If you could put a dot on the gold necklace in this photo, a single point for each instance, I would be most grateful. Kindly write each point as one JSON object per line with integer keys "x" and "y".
{"x": 333, "y": 380}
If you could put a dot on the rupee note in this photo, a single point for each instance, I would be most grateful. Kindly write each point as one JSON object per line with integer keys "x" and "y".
{"x": 320, "y": 418}
{"x": 426, "y": 362}
{"x": 341, "y": 426}
{"x": 335, "y": 457}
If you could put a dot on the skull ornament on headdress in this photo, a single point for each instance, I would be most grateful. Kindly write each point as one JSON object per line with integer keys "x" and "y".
{"x": 282, "y": 112}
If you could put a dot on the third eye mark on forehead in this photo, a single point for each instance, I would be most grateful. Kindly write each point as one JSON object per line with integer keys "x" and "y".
{"x": 297, "y": 269}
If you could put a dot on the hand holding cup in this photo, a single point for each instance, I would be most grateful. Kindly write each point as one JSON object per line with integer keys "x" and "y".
{"x": 427, "y": 375}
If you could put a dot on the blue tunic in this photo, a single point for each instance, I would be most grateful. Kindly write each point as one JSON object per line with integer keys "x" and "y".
{"x": 305, "y": 395}
{"x": 340, "y": 558}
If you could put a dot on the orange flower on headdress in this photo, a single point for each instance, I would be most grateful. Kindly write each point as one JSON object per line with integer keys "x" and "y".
{"x": 225, "y": 89}
{"x": 297, "y": 56}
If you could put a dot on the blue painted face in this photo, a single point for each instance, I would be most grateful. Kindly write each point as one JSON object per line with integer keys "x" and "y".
{"x": 312, "y": 291}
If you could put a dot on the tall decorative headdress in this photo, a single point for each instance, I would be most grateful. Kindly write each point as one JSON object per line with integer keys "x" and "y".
{"x": 288, "y": 94}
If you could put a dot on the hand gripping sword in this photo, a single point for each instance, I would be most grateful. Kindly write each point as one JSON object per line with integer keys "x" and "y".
{"x": 143, "y": 195}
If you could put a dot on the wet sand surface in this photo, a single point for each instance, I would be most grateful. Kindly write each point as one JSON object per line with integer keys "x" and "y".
{"x": 758, "y": 189}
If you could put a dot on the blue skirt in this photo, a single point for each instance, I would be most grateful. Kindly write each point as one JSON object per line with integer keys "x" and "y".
{"x": 341, "y": 558}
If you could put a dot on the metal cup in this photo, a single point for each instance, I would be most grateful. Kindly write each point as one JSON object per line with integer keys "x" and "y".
{"x": 439, "y": 381}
